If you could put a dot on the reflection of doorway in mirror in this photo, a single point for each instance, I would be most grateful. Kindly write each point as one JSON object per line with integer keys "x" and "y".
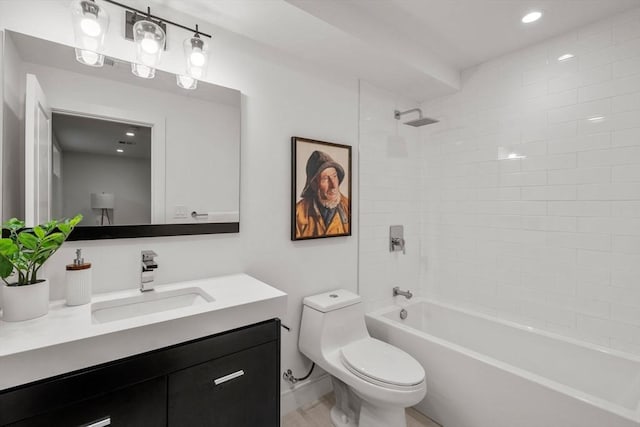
{"x": 100, "y": 159}
{"x": 38, "y": 149}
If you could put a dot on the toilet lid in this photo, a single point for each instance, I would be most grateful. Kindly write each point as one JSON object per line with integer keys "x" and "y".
{"x": 372, "y": 358}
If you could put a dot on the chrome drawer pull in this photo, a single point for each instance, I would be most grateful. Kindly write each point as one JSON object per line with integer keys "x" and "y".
{"x": 101, "y": 423}
{"x": 229, "y": 377}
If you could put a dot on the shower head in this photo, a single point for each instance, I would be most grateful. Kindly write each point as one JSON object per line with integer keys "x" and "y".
{"x": 420, "y": 121}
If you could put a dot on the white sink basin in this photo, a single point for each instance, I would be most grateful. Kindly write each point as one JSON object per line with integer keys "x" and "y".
{"x": 148, "y": 303}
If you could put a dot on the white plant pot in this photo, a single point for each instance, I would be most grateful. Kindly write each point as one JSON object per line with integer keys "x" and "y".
{"x": 25, "y": 302}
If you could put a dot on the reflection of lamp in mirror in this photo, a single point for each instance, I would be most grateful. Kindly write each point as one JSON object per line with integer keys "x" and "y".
{"x": 196, "y": 52}
{"x": 186, "y": 82}
{"x": 90, "y": 23}
{"x": 150, "y": 40}
{"x": 104, "y": 202}
{"x": 143, "y": 71}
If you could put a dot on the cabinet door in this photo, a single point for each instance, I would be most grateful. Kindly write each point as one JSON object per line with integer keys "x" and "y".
{"x": 141, "y": 405}
{"x": 239, "y": 390}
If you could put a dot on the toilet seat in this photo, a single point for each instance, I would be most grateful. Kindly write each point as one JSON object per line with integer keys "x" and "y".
{"x": 383, "y": 364}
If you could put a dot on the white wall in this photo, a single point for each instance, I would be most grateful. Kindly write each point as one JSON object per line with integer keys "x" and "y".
{"x": 127, "y": 178}
{"x": 551, "y": 238}
{"x": 281, "y": 98}
{"x": 389, "y": 195}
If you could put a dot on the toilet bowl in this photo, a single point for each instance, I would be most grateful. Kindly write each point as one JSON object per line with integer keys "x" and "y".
{"x": 373, "y": 381}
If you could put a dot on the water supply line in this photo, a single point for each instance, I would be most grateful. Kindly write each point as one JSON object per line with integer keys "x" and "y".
{"x": 288, "y": 375}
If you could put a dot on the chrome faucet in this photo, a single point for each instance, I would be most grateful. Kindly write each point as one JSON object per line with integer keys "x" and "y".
{"x": 396, "y": 239}
{"x": 397, "y": 244}
{"x": 407, "y": 294}
{"x": 148, "y": 266}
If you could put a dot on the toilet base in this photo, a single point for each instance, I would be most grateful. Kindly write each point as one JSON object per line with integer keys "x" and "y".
{"x": 376, "y": 417}
{"x": 352, "y": 410}
{"x": 381, "y": 416}
{"x": 340, "y": 419}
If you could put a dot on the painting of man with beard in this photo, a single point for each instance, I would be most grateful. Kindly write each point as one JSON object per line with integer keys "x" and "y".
{"x": 324, "y": 206}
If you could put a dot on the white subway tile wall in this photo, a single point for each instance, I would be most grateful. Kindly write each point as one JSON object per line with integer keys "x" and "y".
{"x": 530, "y": 187}
{"x": 389, "y": 167}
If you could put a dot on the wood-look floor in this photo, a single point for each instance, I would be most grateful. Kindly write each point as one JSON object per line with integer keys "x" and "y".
{"x": 316, "y": 414}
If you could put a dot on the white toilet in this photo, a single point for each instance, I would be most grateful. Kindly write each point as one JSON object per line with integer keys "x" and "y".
{"x": 373, "y": 381}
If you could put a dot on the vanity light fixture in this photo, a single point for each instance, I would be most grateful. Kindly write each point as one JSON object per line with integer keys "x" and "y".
{"x": 186, "y": 82}
{"x": 90, "y": 24}
{"x": 531, "y": 17}
{"x": 146, "y": 30}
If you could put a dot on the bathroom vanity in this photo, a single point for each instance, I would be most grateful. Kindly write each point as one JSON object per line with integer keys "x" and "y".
{"x": 214, "y": 364}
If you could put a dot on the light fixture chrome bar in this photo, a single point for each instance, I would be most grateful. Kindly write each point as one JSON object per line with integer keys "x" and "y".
{"x": 147, "y": 13}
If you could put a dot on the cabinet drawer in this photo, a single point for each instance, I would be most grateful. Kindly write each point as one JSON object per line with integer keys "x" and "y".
{"x": 239, "y": 390}
{"x": 141, "y": 405}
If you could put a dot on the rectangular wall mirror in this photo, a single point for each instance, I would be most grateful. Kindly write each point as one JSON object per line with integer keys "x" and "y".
{"x": 136, "y": 157}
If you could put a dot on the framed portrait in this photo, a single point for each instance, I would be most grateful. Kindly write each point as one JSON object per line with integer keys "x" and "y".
{"x": 320, "y": 189}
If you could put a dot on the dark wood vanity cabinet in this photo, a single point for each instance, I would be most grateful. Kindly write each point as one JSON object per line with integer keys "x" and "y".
{"x": 137, "y": 405}
{"x": 228, "y": 379}
{"x": 237, "y": 390}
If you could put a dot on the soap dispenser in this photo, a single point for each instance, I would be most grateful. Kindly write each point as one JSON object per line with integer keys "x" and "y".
{"x": 78, "y": 281}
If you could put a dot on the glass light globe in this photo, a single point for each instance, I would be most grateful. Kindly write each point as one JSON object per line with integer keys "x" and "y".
{"x": 90, "y": 24}
{"x": 196, "y": 52}
{"x": 143, "y": 71}
{"x": 150, "y": 39}
{"x": 88, "y": 57}
{"x": 186, "y": 82}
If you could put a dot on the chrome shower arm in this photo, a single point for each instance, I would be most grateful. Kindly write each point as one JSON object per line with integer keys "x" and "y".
{"x": 397, "y": 113}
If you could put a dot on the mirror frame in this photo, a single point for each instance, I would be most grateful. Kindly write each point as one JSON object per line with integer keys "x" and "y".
{"x": 151, "y": 230}
{"x": 136, "y": 230}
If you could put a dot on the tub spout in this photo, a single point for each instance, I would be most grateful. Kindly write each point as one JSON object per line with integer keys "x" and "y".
{"x": 397, "y": 291}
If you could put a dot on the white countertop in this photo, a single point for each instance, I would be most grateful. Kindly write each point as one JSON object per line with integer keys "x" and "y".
{"x": 66, "y": 339}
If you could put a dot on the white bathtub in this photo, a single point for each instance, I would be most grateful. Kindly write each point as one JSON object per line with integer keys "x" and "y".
{"x": 486, "y": 372}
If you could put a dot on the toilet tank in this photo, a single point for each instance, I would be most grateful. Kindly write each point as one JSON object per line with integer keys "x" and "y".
{"x": 329, "y": 321}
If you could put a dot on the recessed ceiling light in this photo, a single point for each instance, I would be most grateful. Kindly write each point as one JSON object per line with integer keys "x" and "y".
{"x": 531, "y": 17}
{"x": 130, "y": 133}
{"x": 566, "y": 56}
{"x": 120, "y": 150}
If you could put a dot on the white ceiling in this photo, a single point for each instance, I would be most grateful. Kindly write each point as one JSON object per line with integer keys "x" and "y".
{"x": 464, "y": 33}
{"x": 101, "y": 137}
{"x": 414, "y": 47}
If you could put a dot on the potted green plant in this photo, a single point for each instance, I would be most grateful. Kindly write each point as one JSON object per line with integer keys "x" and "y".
{"x": 22, "y": 254}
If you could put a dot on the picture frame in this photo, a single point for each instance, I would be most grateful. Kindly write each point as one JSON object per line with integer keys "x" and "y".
{"x": 320, "y": 189}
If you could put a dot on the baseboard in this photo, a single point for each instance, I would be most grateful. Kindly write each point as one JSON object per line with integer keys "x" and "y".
{"x": 304, "y": 392}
